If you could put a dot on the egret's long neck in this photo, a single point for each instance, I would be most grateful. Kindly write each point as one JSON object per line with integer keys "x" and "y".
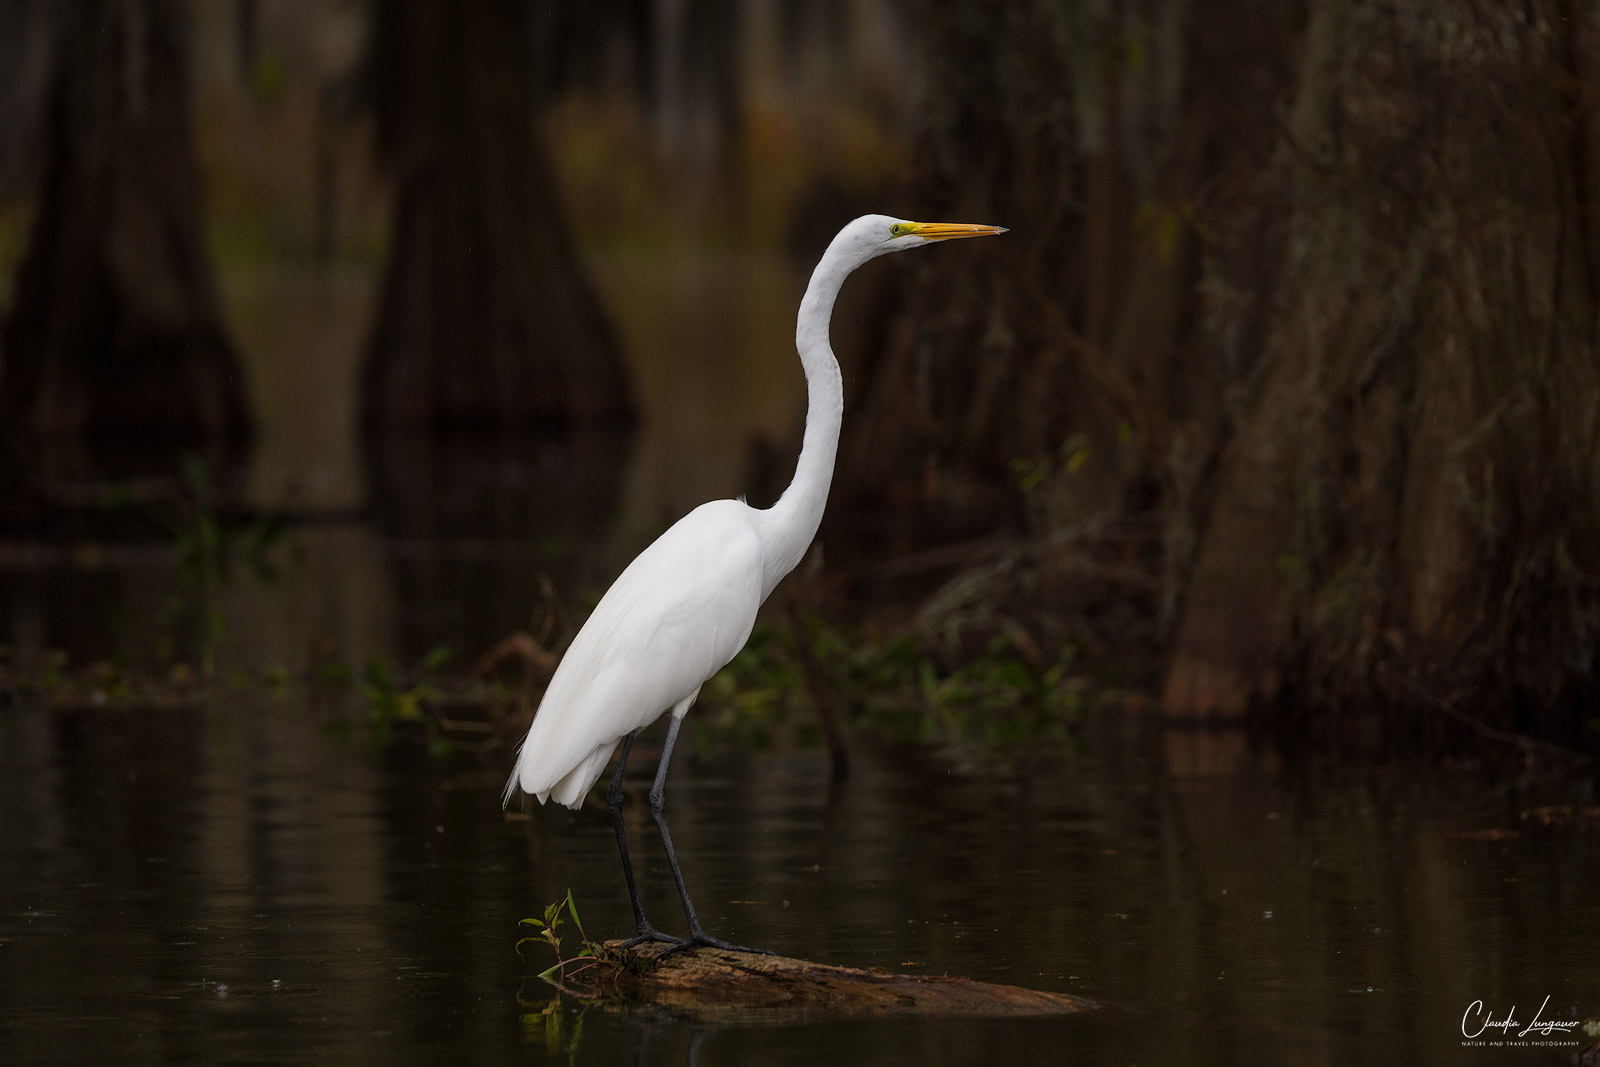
{"x": 786, "y": 528}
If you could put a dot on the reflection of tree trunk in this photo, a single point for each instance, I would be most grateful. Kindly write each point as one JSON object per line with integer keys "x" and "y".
{"x": 487, "y": 322}
{"x": 490, "y": 521}
{"x": 116, "y": 333}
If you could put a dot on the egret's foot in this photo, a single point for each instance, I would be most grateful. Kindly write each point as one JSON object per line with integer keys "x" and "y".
{"x": 649, "y": 933}
{"x": 702, "y": 941}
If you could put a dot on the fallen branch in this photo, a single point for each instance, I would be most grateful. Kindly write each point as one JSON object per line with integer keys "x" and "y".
{"x": 1529, "y": 745}
{"x": 711, "y": 982}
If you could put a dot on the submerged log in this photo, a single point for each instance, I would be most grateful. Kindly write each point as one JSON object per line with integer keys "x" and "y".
{"x": 710, "y": 981}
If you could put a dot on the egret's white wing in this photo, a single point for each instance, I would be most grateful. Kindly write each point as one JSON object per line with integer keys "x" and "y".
{"x": 676, "y": 616}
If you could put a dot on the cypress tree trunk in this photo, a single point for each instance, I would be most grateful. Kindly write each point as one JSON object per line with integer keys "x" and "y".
{"x": 1291, "y": 365}
{"x": 1047, "y": 382}
{"x": 487, "y": 323}
{"x": 1410, "y": 507}
{"x": 115, "y": 340}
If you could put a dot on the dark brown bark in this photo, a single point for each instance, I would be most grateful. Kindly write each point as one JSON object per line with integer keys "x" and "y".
{"x": 487, "y": 323}
{"x": 1292, "y": 356}
{"x": 708, "y": 982}
{"x": 116, "y": 337}
{"x": 1412, "y": 490}
{"x": 1046, "y": 382}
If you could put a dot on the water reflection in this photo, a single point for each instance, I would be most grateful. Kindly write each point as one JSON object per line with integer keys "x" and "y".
{"x": 232, "y": 882}
{"x": 300, "y": 335}
{"x": 336, "y": 602}
{"x": 710, "y": 344}
{"x": 423, "y": 544}
{"x": 469, "y": 529}
{"x": 238, "y": 881}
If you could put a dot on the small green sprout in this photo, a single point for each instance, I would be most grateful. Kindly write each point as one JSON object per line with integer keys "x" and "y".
{"x": 548, "y": 928}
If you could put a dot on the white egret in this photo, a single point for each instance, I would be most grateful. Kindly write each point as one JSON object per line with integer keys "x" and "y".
{"x": 686, "y": 605}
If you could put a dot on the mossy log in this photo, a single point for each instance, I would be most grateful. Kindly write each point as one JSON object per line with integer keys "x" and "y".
{"x": 710, "y": 981}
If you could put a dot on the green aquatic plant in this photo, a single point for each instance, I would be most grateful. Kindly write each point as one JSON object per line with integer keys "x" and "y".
{"x": 210, "y": 548}
{"x": 51, "y": 670}
{"x": 901, "y": 684}
{"x": 392, "y": 699}
{"x": 388, "y": 701}
{"x": 549, "y": 932}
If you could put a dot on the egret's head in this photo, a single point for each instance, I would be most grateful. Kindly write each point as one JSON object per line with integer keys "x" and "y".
{"x": 871, "y": 236}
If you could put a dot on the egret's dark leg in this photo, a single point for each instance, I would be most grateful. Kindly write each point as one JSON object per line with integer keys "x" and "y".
{"x": 645, "y": 931}
{"x": 658, "y": 812}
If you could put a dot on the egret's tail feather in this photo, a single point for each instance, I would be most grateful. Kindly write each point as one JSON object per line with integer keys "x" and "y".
{"x": 568, "y": 787}
{"x": 516, "y": 774}
{"x": 576, "y": 783}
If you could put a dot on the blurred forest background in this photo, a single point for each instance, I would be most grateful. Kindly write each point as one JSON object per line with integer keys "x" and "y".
{"x": 1282, "y": 397}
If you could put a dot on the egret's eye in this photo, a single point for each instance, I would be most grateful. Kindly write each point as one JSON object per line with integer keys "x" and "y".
{"x": 900, "y": 229}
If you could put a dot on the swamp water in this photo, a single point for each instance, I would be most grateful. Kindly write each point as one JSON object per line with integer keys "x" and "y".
{"x": 237, "y": 882}
{"x": 231, "y": 884}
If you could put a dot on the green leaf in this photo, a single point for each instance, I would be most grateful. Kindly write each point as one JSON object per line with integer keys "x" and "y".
{"x": 406, "y": 708}
{"x": 378, "y": 673}
{"x": 1075, "y": 452}
{"x": 1028, "y": 474}
{"x": 572, "y": 910}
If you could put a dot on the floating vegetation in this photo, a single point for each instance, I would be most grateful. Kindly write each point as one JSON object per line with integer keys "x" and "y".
{"x": 897, "y": 684}
{"x": 769, "y": 695}
{"x": 212, "y": 548}
{"x": 391, "y": 700}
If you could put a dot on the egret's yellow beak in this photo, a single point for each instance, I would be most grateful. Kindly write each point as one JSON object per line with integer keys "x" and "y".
{"x": 945, "y": 231}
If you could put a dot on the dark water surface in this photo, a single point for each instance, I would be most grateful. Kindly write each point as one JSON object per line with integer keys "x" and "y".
{"x": 239, "y": 883}
{"x": 235, "y": 885}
